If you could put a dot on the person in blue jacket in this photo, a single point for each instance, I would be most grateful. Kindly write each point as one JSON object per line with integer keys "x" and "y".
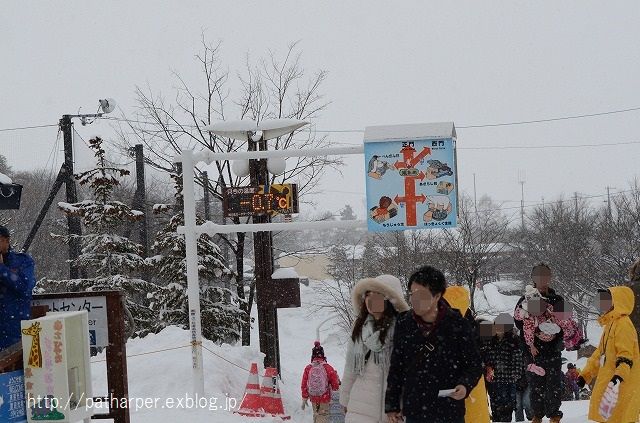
{"x": 16, "y": 286}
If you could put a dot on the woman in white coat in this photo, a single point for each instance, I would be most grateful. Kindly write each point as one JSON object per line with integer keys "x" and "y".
{"x": 376, "y": 303}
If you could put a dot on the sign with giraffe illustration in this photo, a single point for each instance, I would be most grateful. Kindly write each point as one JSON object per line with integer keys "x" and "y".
{"x": 57, "y": 372}
{"x": 411, "y": 178}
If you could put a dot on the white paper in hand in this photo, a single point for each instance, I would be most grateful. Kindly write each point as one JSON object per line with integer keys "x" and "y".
{"x": 445, "y": 392}
{"x": 609, "y": 400}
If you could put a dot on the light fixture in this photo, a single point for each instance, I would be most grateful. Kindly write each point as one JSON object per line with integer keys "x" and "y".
{"x": 107, "y": 105}
{"x": 265, "y": 130}
{"x": 240, "y": 168}
{"x": 276, "y": 165}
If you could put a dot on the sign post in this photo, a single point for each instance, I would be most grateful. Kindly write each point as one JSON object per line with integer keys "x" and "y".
{"x": 411, "y": 175}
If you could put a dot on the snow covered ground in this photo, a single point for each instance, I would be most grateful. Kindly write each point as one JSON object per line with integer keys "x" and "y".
{"x": 167, "y": 374}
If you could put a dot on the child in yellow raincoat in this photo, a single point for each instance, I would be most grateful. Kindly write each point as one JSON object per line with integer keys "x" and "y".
{"x": 617, "y": 360}
{"x": 477, "y": 403}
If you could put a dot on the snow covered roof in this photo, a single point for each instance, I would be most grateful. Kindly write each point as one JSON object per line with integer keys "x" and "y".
{"x": 285, "y": 273}
{"x": 412, "y": 131}
{"x": 4, "y": 179}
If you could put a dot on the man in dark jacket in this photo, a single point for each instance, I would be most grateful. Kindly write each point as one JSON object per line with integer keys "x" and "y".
{"x": 16, "y": 286}
{"x": 434, "y": 350}
{"x": 547, "y": 389}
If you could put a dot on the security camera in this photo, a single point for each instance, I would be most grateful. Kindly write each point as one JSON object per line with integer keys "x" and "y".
{"x": 107, "y": 105}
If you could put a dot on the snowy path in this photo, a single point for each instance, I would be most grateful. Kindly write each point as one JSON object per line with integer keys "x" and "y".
{"x": 167, "y": 374}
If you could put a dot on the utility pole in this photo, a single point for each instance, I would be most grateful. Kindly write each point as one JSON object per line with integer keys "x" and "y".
{"x": 575, "y": 200}
{"x": 521, "y": 180}
{"x": 263, "y": 255}
{"x": 139, "y": 198}
{"x": 256, "y": 136}
{"x": 73, "y": 222}
{"x": 475, "y": 197}
{"x": 65, "y": 176}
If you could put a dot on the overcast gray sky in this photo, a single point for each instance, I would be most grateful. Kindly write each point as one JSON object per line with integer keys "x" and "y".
{"x": 473, "y": 63}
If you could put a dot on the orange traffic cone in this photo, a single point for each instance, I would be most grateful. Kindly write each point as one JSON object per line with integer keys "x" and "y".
{"x": 251, "y": 402}
{"x": 270, "y": 394}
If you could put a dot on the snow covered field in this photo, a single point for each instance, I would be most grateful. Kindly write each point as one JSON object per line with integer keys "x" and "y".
{"x": 167, "y": 374}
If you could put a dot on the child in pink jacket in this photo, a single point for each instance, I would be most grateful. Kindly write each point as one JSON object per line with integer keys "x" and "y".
{"x": 318, "y": 380}
{"x": 540, "y": 321}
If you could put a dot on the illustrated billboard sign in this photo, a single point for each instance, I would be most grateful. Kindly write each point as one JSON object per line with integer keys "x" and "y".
{"x": 411, "y": 177}
{"x": 95, "y": 306}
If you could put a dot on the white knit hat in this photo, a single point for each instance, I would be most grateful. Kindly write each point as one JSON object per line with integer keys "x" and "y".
{"x": 387, "y": 285}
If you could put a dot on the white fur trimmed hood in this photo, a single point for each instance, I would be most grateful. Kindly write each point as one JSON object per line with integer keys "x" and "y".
{"x": 387, "y": 285}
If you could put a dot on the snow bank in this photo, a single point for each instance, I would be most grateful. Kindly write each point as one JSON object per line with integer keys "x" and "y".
{"x": 489, "y": 302}
{"x": 511, "y": 286}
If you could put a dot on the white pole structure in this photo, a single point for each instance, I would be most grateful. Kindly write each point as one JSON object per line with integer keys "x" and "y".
{"x": 212, "y": 228}
{"x": 191, "y": 230}
{"x": 209, "y": 156}
{"x": 193, "y": 283}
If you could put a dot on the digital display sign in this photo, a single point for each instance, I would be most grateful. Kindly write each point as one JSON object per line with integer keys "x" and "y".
{"x": 253, "y": 201}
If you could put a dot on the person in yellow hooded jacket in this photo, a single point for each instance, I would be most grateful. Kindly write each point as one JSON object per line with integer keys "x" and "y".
{"x": 477, "y": 403}
{"x": 616, "y": 360}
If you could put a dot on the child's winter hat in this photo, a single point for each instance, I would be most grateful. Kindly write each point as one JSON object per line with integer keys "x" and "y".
{"x": 317, "y": 351}
{"x": 531, "y": 293}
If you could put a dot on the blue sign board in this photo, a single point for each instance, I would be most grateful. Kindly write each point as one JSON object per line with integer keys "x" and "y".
{"x": 12, "y": 399}
{"x": 411, "y": 176}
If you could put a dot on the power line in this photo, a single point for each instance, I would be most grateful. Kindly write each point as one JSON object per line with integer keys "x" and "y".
{"x": 508, "y": 147}
{"x": 528, "y": 147}
{"x": 487, "y": 125}
{"x": 27, "y": 127}
{"x": 526, "y": 122}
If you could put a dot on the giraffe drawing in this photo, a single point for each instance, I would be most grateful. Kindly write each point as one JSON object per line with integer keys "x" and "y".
{"x": 35, "y": 354}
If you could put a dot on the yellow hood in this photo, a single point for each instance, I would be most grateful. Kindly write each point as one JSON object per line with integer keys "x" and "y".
{"x": 623, "y": 303}
{"x": 458, "y": 298}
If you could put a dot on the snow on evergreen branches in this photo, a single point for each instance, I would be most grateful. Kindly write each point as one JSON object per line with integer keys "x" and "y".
{"x": 109, "y": 260}
{"x": 219, "y": 307}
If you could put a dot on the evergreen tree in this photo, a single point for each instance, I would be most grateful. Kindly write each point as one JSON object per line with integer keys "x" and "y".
{"x": 220, "y": 311}
{"x": 107, "y": 259}
{"x": 4, "y": 166}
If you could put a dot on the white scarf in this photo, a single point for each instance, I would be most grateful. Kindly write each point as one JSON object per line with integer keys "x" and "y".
{"x": 369, "y": 340}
